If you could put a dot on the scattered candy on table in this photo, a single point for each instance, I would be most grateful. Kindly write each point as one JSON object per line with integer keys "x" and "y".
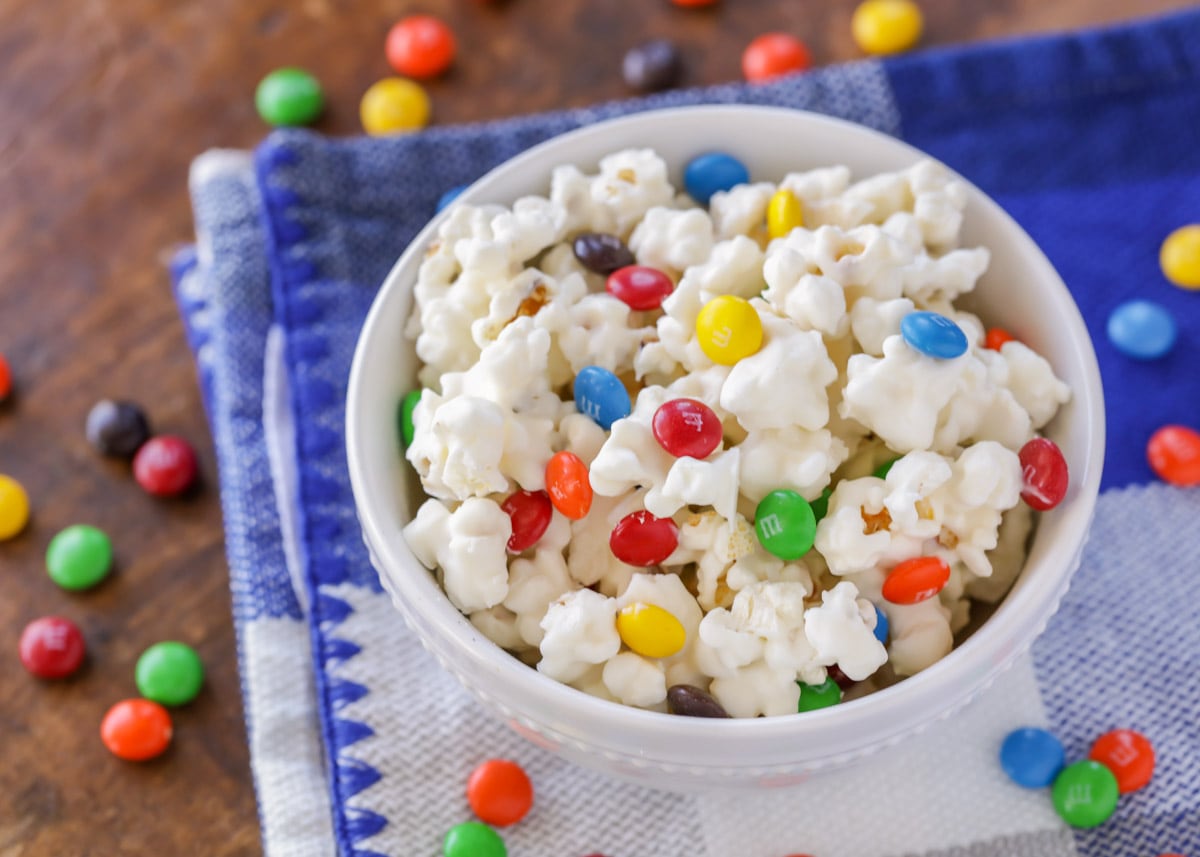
{"x": 14, "y": 507}
{"x": 785, "y": 524}
{"x": 52, "y": 647}
{"x": 1142, "y": 330}
{"x": 601, "y": 252}
{"x": 1032, "y": 757}
{"x": 472, "y": 839}
{"x": 814, "y": 696}
{"x": 772, "y": 55}
{"x": 915, "y": 580}
{"x": 1128, "y": 754}
{"x": 653, "y": 66}
{"x": 530, "y": 512}
{"x": 500, "y": 792}
{"x": 169, "y": 673}
{"x": 117, "y": 429}
{"x": 568, "y": 485}
{"x": 650, "y": 630}
{"x": 784, "y": 213}
{"x": 407, "y": 405}
{"x": 643, "y": 540}
{"x": 449, "y": 197}
{"x": 136, "y": 730}
{"x": 687, "y": 428}
{"x": 1085, "y": 794}
{"x": 996, "y": 337}
{"x": 289, "y": 96}
{"x": 394, "y": 105}
{"x": 886, "y": 26}
{"x": 689, "y": 701}
{"x": 715, "y": 171}
{"x": 165, "y": 466}
{"x": 639, "y": 287}
{"x": 600, "y": 395}
{"x": 5, "y": 378}
{"x": 79, "y": 557}
{"x": 1174, "y": 453}
{"x": 728, "y": 329}
{"x": 420, "y": 46}
{"x": 1045, "y": 474}
{"x": 934, "y": 335}
{"x": 1180, "y": 257}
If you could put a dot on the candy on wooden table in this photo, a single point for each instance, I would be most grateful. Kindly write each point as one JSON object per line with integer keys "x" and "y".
{"x": 934, "y": 335}
{"x": 690, "y": 701}
{"x": 420, "y": 46}
{"x": 1174, "y": 453}
{"x": 784, "y": 213}
{"x": 600, "y": 395}
{"x": 650, "y": 630}
{"x": 79, "y": 557}
{"x": 500, "y": 792}
{"x": 996, "y": 337}
{"x": 289, "y": 96}
{"x": 169, "y": 673}
{"x": 117, "y": 429}
{"x": 393, "y": 105}
{"x": 882, "y": 626}
{"x": 568, "y": 485}
{"x": 1141, "y": 329}
{"x": 5, "y": 378}
{"x": 772, "y": 55}
{"x": 643, "y": 540}
{"x": 785, "y": 524}
{"x": 693, "y": 4}
{"x": 1179, "y": 257}
{"x": 652, "y": 66}
{"x": 165, "y": 466}
{"x": 601, "y": 252}
{"x": 916, "y": 580}
{"x": 705, "y": 175}
{"x": 686, "y": 427}
{"x": 728, "y": 329}
{"x": 52, "y": 647}
{"x": 136, "y": 730}
{"x": 449, "y": 197}
{"x": 1045, "y": 475}
{"x": 407, "y": 405}
{"x": 14, "y": 507}
{"x": 530, "y": 512}
{"x": 886, "y": 26}
{"x": 1128, "y": 754}
{"x": 640, "y": 287}
{"x": 814, "y": 696}
{"x": 1032, "y": 757}
{"x": 473, "y": 839}
{"x": 1085, "y": 794}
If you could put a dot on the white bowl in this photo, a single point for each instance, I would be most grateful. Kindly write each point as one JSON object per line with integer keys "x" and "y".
{"x": 1021, "y": 292}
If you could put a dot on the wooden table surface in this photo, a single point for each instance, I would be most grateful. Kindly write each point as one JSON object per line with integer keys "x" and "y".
{"x": 102, "y": 106}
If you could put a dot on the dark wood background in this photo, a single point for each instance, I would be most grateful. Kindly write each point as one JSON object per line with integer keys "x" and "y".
{"x": 102, "y": 106}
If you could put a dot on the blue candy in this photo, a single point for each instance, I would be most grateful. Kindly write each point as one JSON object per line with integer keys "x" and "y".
{"x": 449, "y": 196}
{"x": 601, "y": 395}
{"x": 881, "y": 625}
{"x": 1032, "y": 757}
{"x": 934, "y": 335}
{"x": 710, "y": 173}
{"x": 1141, "y": 329}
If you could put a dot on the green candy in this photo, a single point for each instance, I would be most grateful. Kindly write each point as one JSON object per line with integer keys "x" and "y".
{"x": 1085, "y": 794}
{"x": 473, "y": 839}
{"x": 289, "y": 96}
{"x": 79, "y": 557}
{"x": 814, "y": 696}
{"x": 169, "y": 673}
{"x": 785, "y": 524}
{"x": 884, "y": 469}
{"x": 407, "y": 406}
{"x": 820, "y": 506}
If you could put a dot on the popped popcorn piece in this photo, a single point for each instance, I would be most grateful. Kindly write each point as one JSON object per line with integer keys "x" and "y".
{"x": 864, "y": 261}
{"x": 812, "y": 301}
{"x": 634, "y": 680}
{"x": 600, "y": 333}
{"x": 712, "y": 482}
{"x": 792, "y": 458}
{"x": 580, "y": 630}
{"x": 457, "y": 446}
{"x": 468, "y": 545}
{"x": 589, "y": 559}
{"x": 533, "y": 585}
{"x": 944, "y": 278}
{"x": 841, "y": 629}
{"x": 672, "y": 240}
{"x": 855, "y": 533}
{"x": 1033, "y": 383}
{"x": 756, "y": 690}
{"x": 582, "y": 436}
{"x": 1007, "y": 558}
{"x": 499, "y": 624}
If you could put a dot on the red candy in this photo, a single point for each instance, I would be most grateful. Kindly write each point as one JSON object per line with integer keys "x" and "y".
{"x": 640, "y": 287}
{"x": 1174, "y": 453}
{"x": 568, "y": 485}
{"x": 643, "y": 540}
{"x": 499, "y": 792}
{"x": 420, "y": 46}
{"x": 1045, "y": 473}
{"x": 165, "y": 466}
{"x": 136, "y": 730}
{"x": 52, "y": 647}
{"x": 1128, "y": 755}
{"x": 686, "y": 427}
{"x": 996, "y": 337}
{"x": 915, "y": 580}
{"x": 5, "y": 379}
{"x": 772, "y": 55}
{"x": 530, "y": 512}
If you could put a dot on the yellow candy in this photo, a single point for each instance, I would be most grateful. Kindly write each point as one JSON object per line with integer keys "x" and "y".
{"x": 886, "y": 26}
{"x": 650, "y": 631}
{"x": 14, "y": 507}
{"x": 728, "y": 329}
{"x": 1180, "y": 257}
{"x": 394, "y": 105}
{"x": 783, "y": 214}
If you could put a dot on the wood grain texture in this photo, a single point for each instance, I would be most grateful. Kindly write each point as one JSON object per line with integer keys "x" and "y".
{"x": 103, "y": 103}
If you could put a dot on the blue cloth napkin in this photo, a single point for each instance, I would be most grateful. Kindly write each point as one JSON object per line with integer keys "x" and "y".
{"x": 360, "y": 746}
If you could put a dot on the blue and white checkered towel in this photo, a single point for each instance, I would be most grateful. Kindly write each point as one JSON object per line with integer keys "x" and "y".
{"x": 360, "y": 745}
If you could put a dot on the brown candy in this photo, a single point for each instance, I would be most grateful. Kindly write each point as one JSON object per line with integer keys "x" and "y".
{"x": 691, "y": 701}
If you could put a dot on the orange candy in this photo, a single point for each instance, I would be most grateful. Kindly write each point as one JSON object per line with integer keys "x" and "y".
{"x": 420, "y": 46}
{"x": 1174, "y": 453}
{"x": 1128, "y": 755}
{"x": 5, "y": 379}
{"x": 136, "y": 730}
{"x": 772, "y": 55}
{"x": 568, "y": 485}
{"x": 499, "y": 792}
{"x": 915, "y": 580}
{"x": 996, "y": 337}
